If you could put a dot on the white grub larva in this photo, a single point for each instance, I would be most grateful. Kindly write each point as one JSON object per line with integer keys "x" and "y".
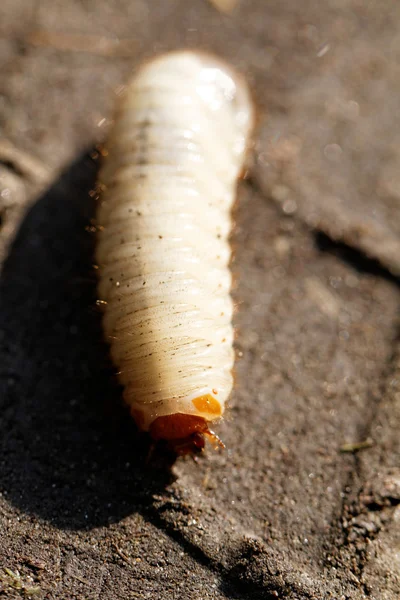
{"x": 168, "y": 183}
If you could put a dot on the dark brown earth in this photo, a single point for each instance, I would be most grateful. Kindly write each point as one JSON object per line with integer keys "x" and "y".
{"x": 86, "y": 511}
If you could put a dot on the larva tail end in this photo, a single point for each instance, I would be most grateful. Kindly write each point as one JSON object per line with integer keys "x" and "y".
{"x": 185, "y": 434}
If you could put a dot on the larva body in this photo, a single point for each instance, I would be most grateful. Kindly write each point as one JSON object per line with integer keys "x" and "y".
{"x": 168, "y": 184}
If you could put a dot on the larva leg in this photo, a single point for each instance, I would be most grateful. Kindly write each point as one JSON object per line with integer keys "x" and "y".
{"x": 168, "y": 183}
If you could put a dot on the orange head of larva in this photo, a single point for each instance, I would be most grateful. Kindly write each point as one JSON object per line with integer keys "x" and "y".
{"x": 184, "y": 433}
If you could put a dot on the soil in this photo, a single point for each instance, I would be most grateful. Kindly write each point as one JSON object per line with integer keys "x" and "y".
{"x": 304, "y": 503}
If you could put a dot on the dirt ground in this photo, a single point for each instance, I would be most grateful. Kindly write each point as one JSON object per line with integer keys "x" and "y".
{"x": 305, "y": 501}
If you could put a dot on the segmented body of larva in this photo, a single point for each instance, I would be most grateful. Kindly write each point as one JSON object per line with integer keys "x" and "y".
{"x": 167, "y": 185}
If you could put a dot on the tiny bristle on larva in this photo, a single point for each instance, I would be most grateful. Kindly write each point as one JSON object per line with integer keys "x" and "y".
{"x": 168, "y": 182}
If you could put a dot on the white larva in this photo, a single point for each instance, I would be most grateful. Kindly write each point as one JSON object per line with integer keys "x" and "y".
{"x": 168, "y": 184}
